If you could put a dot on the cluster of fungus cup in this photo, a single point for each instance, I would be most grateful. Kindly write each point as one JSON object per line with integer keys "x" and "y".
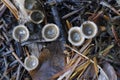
{"x": 31, "y": 62}
{"x": 20, "y": 33}
{"x": 34, "y": 13}
{"x": 50, "y": 32}
{"x": 77, "y": 35}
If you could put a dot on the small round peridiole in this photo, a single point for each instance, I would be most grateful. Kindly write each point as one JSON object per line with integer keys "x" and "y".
{"x": 50, "y": 32}
{"x": 89, "y": 29}
{"x": 36, "y": 16}
{"x": 20, "y": 33}
{"x": 75, "y": 37}
{"x": 31, "y": 62}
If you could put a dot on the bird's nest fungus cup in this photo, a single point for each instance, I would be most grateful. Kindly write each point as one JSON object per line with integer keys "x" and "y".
{"x": 20, "y": 33}
{"x": 75, "y": 37}
{"x": 89, "y": 29}
{"x": 50, "y": 32}
{"x": 36, "y": 16}
{"x": 31, "y": 62}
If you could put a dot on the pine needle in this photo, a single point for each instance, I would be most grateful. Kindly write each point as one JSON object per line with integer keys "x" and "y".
{"x": 11, "y": 7}
{"x": 95, "y": 67}
{"x": 78, "y": 78}
{"x": 105, "y": 51}
{"x": 80, "y": 68}
{"x": 88, "y": 49}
